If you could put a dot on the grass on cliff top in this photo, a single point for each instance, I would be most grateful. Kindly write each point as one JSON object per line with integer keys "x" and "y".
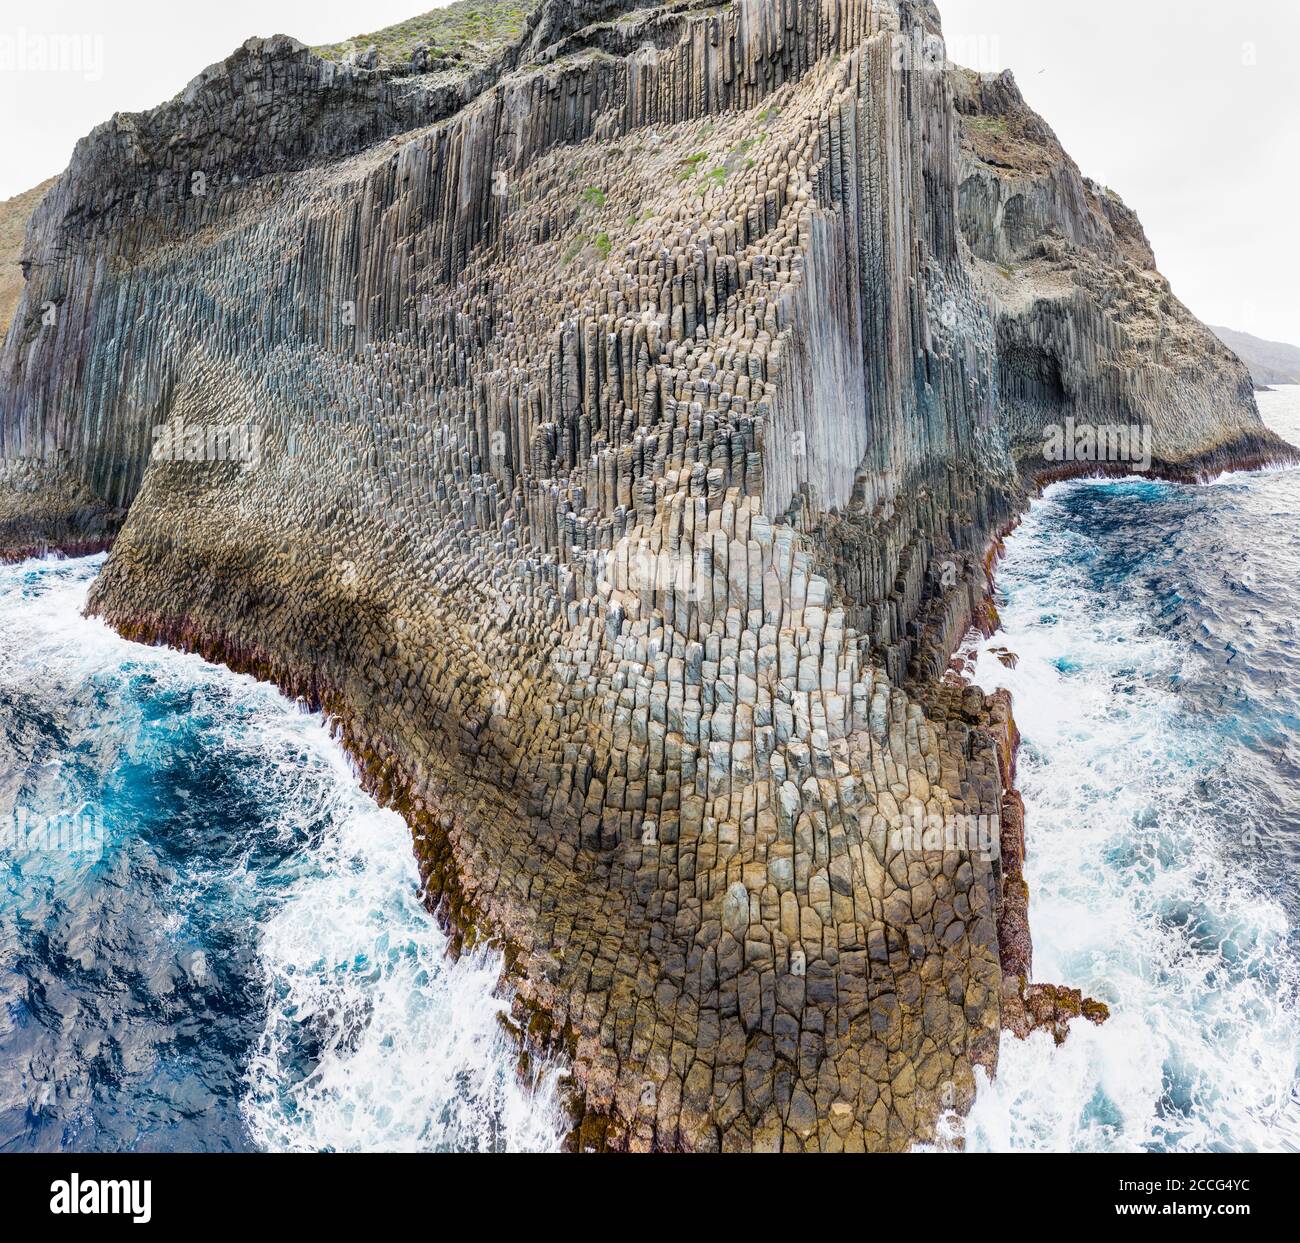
{"x": 463, "y": 30}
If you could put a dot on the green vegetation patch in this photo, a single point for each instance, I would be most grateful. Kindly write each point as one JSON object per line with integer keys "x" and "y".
{"x": 688, "y": 167}
{"x": 469, "y": 29}
{"x": 986, "y": 124}
{"x": 601, "y": 244}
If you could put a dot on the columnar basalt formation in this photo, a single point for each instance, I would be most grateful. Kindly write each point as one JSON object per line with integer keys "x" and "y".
{"x": 1087, "y": 328}
{"x": 609, "y": 429}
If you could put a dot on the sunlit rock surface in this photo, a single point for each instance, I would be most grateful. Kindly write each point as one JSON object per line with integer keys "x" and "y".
{"x": 612, "y": 421}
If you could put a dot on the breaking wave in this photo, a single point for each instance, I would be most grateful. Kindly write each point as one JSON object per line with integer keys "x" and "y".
{"x": 210, "y": 936}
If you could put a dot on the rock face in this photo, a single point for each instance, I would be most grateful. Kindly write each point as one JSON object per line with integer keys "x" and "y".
{"x": 1087, "y": 328}
{"x": 14, "y": 214}
{"x": 610, "y": 431}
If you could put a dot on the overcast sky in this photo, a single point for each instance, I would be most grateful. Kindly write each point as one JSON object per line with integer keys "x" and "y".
{"x": 1190, "y": 109}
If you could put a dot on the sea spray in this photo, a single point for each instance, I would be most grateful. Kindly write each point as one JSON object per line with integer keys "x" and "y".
{"x": 1159, "y": 721}
{"x": 242, "y": 960}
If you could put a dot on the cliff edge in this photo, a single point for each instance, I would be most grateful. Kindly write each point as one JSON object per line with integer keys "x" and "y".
{"x": 607, "y": 418}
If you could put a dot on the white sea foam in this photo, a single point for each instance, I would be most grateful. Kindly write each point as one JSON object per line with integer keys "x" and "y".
{"x": 1133, "y": 897}
{"x": 374, "y": 1039}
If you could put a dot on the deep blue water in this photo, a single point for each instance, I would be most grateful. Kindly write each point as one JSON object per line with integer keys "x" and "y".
{"x": 210, "y": 937}
{"x": 1158, "y": 695}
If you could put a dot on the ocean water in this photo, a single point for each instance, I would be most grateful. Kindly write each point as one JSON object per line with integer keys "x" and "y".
{"x": 1158, "y": 695}
{"x": 210, "y": 937}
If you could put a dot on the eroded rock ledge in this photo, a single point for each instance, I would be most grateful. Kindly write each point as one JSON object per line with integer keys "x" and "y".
{"x": 636, "y": 406}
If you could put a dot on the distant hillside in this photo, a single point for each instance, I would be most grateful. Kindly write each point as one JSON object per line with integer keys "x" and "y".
{"x": 1270, "y": 362}
{"x": 14, "y": 214}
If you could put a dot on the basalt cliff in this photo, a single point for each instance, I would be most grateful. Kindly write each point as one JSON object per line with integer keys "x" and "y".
{"x": 608, "y": 413}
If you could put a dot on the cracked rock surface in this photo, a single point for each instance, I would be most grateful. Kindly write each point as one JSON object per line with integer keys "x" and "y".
{"x": 623, "y": 416}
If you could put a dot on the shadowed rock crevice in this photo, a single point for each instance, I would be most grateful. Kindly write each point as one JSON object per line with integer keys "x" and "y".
{"x": 611, "y": 430}
{"x": 1087, "y": 328}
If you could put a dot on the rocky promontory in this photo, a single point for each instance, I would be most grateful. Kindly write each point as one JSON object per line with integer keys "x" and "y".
{"x": 609, "y": 416}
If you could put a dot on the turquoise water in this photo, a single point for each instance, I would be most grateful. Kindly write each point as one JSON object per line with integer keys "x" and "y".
{"x": 210, "y": 936}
